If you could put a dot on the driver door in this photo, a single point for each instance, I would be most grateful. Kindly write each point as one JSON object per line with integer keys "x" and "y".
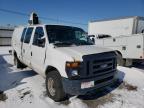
{"x": 38, "y": 50}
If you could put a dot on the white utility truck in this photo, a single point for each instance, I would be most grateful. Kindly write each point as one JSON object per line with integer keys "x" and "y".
{"x": 124, "y": 35}
{"x": 65, "y": 56}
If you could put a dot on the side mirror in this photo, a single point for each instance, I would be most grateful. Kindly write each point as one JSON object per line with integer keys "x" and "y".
{"x": 41, "y": 42}
{"x": 91, "y": 40}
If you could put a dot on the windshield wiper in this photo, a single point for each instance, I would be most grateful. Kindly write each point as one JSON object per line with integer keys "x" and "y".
{"x": 81, "y": 42}
{"x": 63, "y": 43}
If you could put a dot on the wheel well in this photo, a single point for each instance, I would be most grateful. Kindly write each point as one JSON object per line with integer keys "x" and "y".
{"x": 49, "y": 69}
{"x": 118, "y": 52}
{"x": 15, "y": 54}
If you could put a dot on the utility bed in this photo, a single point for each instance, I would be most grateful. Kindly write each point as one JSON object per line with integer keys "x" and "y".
{"x": 130, "y": 46}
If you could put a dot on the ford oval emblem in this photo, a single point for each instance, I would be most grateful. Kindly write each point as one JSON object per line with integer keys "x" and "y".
{"x": 103, "y": 66}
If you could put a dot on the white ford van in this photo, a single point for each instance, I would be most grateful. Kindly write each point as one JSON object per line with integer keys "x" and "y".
{"x": 65, "y": 56}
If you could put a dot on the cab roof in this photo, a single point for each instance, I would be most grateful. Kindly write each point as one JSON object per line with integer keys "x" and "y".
{"x": 36, "y": 25}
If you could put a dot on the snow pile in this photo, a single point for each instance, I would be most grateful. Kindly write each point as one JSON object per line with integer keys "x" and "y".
{"x": 125, "y": 98}
{"x": 133, "y": 76}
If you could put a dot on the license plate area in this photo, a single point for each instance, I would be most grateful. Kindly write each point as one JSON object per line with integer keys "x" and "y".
{"x": 87, "y": 84}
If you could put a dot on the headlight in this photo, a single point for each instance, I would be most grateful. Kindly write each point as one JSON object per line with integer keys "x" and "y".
{"x": 74, "y": 73}
{"x": 72, "y": 69}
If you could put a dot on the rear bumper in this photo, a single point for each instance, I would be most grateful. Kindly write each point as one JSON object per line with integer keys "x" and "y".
{"x": 73, "y": 87}
{"x": 138, "y": 60}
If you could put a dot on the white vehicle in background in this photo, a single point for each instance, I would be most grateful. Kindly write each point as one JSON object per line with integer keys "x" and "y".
{"x": 63, "y": 55}
{"x": 124, "y": 35}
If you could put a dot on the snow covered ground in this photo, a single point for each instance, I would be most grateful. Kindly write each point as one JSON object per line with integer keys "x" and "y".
{"x": 26, "y": 89}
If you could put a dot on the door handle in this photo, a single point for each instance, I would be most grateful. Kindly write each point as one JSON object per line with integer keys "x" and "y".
{"x": 23, "y": 50}
{"x": 138, "y": 46}
{"x": 114, "y": 39}
{"x": 124, "y": 48}
{"x": 31, "y": 53}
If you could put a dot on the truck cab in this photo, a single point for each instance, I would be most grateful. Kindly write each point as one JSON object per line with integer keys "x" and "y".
{"x": 64, "y": 56}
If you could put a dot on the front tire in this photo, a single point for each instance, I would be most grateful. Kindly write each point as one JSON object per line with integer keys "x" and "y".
{"x": 54, "y": 86}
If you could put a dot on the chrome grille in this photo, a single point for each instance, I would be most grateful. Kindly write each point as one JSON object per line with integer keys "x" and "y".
{"x": 101, "y": 65}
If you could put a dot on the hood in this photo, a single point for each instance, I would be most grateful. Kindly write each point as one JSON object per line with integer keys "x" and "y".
{"x": 78, "y": 51}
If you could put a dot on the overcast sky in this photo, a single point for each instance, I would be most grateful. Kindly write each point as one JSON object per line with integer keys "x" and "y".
{"x": 80, "y": 11}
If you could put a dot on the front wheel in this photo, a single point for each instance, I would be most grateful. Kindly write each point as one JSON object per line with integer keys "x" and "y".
{"x": 54, "y": 86}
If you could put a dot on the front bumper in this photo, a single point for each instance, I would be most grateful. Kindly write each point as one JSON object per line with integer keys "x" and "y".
{"x": 100, "y": 68}
{"x": 73, "y": 87}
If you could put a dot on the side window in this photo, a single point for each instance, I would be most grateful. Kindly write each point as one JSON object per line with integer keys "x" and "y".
{"x": 23, "y": 34}
{"x": 28, "y": 35}
{"x": 39, "y": 33}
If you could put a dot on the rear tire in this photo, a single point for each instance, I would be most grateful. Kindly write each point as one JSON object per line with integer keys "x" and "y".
{"x": 17, "y": 63}
{"x": 54, "y": 86}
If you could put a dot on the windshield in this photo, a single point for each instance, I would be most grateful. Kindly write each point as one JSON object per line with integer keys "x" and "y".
{"x": 66, "y": 35}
